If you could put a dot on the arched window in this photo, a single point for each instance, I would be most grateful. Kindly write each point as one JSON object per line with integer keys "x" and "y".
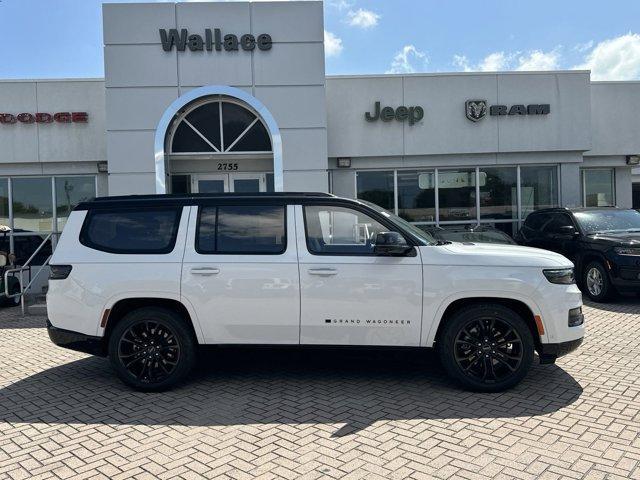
{"x": 218, "y": 125}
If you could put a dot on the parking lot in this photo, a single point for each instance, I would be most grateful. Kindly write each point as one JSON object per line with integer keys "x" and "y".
{"x": 321, "y": 414}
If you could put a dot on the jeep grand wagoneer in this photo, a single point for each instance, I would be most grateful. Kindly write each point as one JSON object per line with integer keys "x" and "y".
{"x": 144, "y": 280}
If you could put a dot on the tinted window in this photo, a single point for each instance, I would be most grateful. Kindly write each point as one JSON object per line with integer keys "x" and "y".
{"x": 151, "y": 231}
{"x": 241, "y": 229}
{"x": 536, "y": 221}
{"x": 558, "y": 220}
{"x": 340, "y": 231}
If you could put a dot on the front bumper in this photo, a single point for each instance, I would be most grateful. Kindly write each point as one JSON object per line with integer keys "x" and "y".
{"x": 624, "y": 271}
{"x": 549, "y": 352}
{"x": 76, "y": 341}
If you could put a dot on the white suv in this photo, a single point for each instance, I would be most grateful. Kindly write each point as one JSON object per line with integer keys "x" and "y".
{"x": 144, "y": 280}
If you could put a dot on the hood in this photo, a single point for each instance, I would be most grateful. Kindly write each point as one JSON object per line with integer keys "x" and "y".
{"x": 619, "y": 238}
{"x": 492, "y": 254}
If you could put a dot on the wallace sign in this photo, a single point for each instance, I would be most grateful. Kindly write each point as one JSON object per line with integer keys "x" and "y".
{"x": 212, "y": 40}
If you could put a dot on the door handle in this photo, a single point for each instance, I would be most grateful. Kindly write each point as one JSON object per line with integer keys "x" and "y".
{"x": 205, "y": 271}
{"x": 323, "y": 271}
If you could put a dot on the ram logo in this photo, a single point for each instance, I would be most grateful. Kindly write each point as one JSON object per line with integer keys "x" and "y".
{"x": 475, "y": 109}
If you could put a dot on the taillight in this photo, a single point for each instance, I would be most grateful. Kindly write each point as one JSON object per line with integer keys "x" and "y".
{"x": 59, "y": 272}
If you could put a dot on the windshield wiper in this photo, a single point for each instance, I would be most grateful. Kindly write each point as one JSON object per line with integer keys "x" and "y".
{"x": 443, "y": 242}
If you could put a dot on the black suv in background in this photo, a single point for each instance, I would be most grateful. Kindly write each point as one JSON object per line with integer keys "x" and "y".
{"x": 603, "y": 244}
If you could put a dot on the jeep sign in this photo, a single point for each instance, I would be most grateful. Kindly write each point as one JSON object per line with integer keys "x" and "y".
{"x": 401, "y": 114}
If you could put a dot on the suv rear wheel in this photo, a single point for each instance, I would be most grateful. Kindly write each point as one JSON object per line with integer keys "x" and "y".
{"x": 486, "y": 348}
{"x": 596, "y": 282}
{"x": 152, "y": 349}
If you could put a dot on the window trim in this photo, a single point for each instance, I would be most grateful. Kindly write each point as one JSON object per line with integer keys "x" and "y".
{"x": 198, "y": 250}
{"x": 84, "y": 239}
{"x": 357, "y": 208}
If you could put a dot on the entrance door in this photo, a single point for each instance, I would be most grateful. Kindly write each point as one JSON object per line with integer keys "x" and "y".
{"x": 218, "y": 183}
{"x": 229, "y": 182}
{"x": 247, "y": 182}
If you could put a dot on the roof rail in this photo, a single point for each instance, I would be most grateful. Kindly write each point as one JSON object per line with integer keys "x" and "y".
{"x": 181, "y": 196}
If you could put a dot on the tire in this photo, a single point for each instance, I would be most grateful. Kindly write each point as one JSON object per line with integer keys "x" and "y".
{"x": 595, "y": 282}
{"x": 152, "y": 349}
{"x": 11, "y": 302}
{"x": 474, "y": 350}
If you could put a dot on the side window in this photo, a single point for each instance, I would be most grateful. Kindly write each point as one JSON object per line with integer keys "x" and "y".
{"x": 333, "y": 230}
{"x": 132, "y": 231}
{"x": 535, "y": 221}
{"x": 558, "y": 220}
{"x": 241, "y": 229}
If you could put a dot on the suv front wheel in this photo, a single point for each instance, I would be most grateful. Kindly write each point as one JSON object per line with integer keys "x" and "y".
{"x": 486, "y": 348}
{"x": 596, "y": 282}
{"x": 152, "y": 349}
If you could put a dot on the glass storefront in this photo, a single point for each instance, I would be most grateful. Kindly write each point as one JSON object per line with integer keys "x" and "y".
{"x": 538, "y": 187}
{"x": 377, "y": 187}
{"x": 598, "y": 187}
{"x": 33, "y": 207}
{"x": 417, "y": 196}
{"x": 498, "y": 196}
{"x": 457, "y": 195}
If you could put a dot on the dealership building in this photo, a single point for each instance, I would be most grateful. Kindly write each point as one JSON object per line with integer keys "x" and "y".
{"x": 233, "y": 97}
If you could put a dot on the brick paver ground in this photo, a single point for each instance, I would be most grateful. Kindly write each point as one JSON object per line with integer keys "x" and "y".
{"x": 321, "y": 414}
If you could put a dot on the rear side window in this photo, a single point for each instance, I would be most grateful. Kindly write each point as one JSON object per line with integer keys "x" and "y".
{"x": 132, "y": 231}
{"x": 242, "y": 229}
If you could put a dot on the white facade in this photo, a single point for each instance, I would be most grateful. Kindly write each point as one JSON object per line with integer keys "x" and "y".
{"x": 503, "y": 166}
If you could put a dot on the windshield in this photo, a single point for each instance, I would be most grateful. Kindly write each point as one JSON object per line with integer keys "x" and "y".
{"x": 600, "y": 221}
{"x": 420, "y": 235}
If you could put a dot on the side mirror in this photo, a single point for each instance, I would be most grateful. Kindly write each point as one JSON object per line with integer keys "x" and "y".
{"x": 391, "y": 244}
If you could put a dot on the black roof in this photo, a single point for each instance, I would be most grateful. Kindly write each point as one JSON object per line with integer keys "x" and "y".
{"x": 187, "y": 199}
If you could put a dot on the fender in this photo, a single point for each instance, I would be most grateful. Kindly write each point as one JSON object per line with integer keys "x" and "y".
{"x": 430, "y": 336}
{"x": 160, "y": 295}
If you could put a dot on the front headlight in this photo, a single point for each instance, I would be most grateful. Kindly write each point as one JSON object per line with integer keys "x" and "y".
{"x": 627, "y": 251}
{"x": 563, "y": 276}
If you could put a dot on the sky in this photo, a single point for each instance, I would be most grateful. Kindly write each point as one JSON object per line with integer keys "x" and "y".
{"x": 63, "y": 38}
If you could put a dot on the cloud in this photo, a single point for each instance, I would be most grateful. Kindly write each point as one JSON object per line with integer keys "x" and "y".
{"x": 362, "y": 18}
{"x": 494, "y": 62}
{"x": 332, "y": 44}
{"x": 539, "y": 60}
{"x": 339, "y": 4}
{"x": 614, "y": 59}
{"x": 406, "y": 59}
{"x": 583, "y": 47}
{"x": 502, "y": 61}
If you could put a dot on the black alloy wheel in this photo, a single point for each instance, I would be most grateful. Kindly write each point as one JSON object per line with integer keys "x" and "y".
{"x": 486, "y": 347}
{"x": 151, "y": 349}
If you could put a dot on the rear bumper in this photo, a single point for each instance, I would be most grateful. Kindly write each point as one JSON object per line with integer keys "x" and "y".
{"x": 76, "y": 341}
{"x": 549, "y": 352}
